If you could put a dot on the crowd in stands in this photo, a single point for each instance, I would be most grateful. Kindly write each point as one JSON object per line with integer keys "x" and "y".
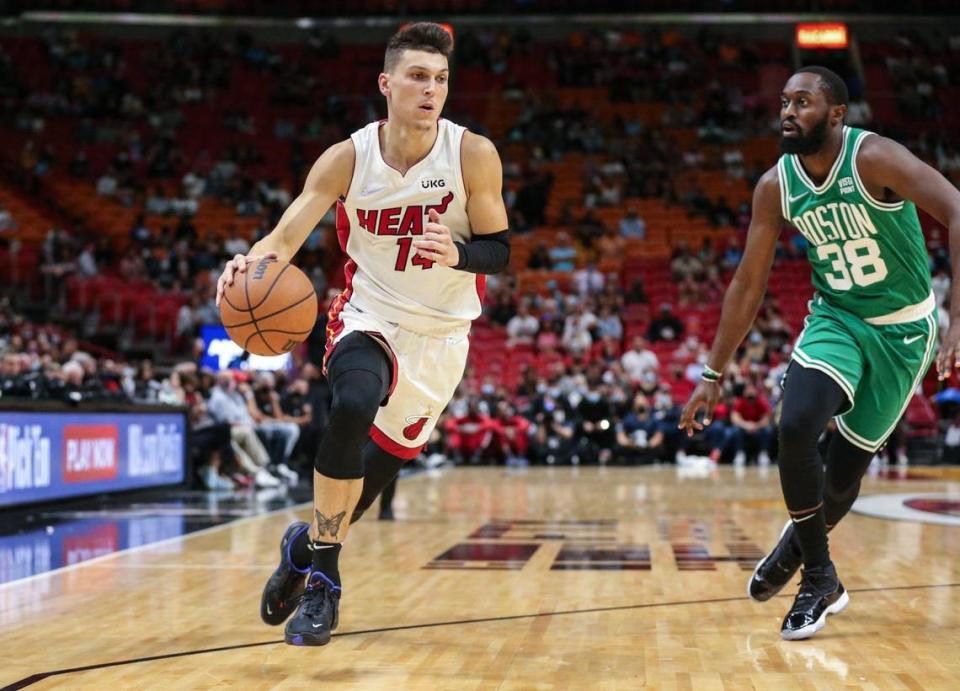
{"x": 246, "y": 429}
{"x": 598, "y": 387}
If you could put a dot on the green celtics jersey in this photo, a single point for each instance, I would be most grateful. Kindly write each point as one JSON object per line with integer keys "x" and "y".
{"x": 868, "y": 256}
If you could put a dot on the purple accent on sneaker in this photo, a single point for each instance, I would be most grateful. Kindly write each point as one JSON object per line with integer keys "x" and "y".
{"x": 290, "y": 556}
{"x": 311, "y": 584}
{"x": 297, "y": 640}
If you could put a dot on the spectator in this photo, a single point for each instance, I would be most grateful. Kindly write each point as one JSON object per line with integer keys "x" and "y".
{"x": 610, "y": 247}
{"x": 513, "y": 434}
{"x": 228, "y": 405}
{"x": 632, "y": 226}
{"x": 751, "y": 420}
{"x": 577, "y": 337}
{"x": 296, "y": 407}
{"x": 553, "y": 432}
{"x": 639, "y": 360}
{"x": 588, "y": 281}
{"x": 666, "y": 327}
{"x": 140, "y": 234}
{"x": 107, "y": 183}
{"x": 540, "y": 258}
{"x": 639, "y": 438}
{"x": 685, "y": 265}
{"x": 597, "y": 425}
{"x": 263, "y": 402}
{"x": 563, "y": 254}
{"x": 157, "y": 202}
{"x": 522, "y": 327}
{"x": 471, "y": 437}
{"x": 87, "y": 262}
{"x": 609, "y": 325}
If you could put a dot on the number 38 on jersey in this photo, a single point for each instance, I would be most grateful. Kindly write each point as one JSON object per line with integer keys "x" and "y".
{"x": 842, "y": 239}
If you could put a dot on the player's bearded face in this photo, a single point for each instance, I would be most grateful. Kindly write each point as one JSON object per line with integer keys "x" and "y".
{"x": 804, "y": 140}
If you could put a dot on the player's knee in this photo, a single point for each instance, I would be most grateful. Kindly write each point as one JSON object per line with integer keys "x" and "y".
{"x": 837, "y": 493}
{"x": 799, "y": 428}
{"x": 355, "y": 405}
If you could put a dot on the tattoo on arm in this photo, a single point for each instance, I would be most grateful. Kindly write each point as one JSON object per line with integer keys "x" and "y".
{"x": 329, "y": 526}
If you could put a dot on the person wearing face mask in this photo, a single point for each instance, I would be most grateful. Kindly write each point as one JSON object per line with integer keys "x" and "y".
{"x": 667, "y": 415}
{"x": 639, "y": 437}
{"x": 552, "y": 436}
{"x": 471, "y": 437}
{"x": 597, "y": 430}
{"x": 751, "y": 417}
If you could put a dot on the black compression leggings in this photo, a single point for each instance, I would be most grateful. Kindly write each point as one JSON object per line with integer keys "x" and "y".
{"x": 816, "y": 500}
{"x": 360, "y": 374}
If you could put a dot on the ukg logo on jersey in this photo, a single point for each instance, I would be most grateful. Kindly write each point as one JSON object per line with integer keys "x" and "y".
{"x": 90, "y": 452}
{"x": 24, "y": 457}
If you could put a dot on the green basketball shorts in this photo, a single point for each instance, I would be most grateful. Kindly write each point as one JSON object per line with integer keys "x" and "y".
{"x": 878, "y": 367}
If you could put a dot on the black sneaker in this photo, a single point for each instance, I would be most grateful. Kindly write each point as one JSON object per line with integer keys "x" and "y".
{"x": 285, "y": 585}
{"x": 316, "y": 618}
{"x": 821, "y": 593}
{"x": 777, "y": 568}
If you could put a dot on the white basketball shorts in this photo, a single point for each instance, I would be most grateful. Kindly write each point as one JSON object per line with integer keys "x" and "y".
{"x": 426, "y": 372}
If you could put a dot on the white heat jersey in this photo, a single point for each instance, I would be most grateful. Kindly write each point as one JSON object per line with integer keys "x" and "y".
{"x": 377, "y": 222}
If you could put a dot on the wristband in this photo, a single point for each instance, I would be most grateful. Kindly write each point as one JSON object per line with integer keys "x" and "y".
{"x": 710, "y": 374}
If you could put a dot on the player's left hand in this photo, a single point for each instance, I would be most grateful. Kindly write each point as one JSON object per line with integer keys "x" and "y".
{"x": 436, "y": 243}
{"x": 949, "y": 355}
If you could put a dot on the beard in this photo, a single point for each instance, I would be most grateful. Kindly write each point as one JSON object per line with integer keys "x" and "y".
{"x": 805, "y": 143}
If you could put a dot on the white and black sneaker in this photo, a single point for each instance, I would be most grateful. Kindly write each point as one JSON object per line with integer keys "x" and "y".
{"x": 777, "y": 568}
{"x": 821, "y": 593}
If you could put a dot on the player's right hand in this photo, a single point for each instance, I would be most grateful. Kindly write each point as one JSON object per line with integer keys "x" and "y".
{"x": 238, "y": 265}
{"x": 705, "y": 396}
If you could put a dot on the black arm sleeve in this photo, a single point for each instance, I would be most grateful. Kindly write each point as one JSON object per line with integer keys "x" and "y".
{"x": 485, "y": 254}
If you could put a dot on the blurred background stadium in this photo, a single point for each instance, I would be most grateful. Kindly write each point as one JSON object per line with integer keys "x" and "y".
{"x": 143, "y": 143}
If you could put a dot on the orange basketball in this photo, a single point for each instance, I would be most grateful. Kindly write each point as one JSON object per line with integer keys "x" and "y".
{"x": 270, "y": 308}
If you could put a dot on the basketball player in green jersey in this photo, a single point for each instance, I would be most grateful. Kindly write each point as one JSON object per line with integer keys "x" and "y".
{"x": 872, "y": 329}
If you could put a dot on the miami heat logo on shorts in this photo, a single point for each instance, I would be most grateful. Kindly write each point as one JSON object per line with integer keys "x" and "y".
{"x": 415, "y": 424}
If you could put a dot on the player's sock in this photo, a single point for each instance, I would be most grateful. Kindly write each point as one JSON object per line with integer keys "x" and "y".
{"x": 326, "y": 559}
{"x": 300, "y": 553}
{"x": 811, "y": 531}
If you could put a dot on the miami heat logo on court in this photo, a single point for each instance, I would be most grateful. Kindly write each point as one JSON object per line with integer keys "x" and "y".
{"x": 415, "y": 424}
{"x": 945, "y": 506}
{"x": 942, "y": 509}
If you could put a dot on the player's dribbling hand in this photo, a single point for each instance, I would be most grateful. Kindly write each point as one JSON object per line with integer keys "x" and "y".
{"x": 238, "y": 265}
{"x": 436, "y": 243}
{"x": 705, "y": 397}
{"x": 949, "y": 355}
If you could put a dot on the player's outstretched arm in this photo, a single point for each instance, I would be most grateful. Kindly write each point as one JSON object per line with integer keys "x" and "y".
{"x": 742, "y": 299}
{"x": 489, "y": 250}
{"x": 328, "y": 180}
{"x": 886, "y": 164}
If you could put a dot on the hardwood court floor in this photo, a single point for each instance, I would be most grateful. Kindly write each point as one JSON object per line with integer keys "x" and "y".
{"x": 545, "y": 578}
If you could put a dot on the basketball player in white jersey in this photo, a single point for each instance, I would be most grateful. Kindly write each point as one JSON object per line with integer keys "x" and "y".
{"x": 421, "y": 218}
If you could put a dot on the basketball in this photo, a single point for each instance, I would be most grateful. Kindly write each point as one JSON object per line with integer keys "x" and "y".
{"x": 270, "y": 308}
